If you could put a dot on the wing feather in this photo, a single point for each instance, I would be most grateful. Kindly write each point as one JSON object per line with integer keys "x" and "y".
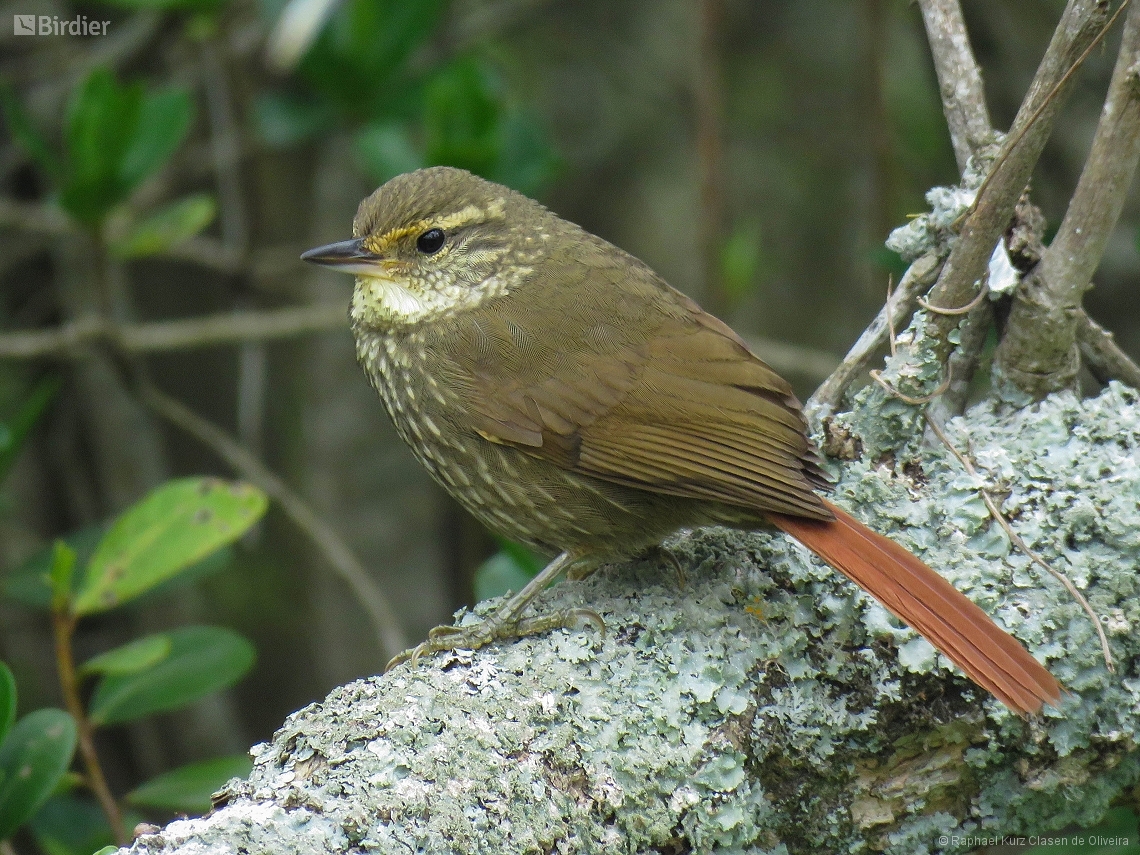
{"x": 679, "y": 406}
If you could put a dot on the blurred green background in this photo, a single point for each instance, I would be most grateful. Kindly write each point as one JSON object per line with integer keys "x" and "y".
{"x": 755, "y": 153}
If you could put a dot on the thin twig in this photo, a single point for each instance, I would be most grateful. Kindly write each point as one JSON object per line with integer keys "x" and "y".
{"x": 1018, "y": 134}
{"x": 710, "y": 151}
{"x": 344, "y": 562}
{"x": 793, "y": 359}
{"x": 908, "y": 399}
{"x": 68, "y": 340}
{"x": 994, "y": 204}
{"x": 890, "y": 313}
{"x": 1000, "y": 519}
{"x": 961, "y": 310}
{"x": 63, "y": 628}
{"x": 51, "y": 222}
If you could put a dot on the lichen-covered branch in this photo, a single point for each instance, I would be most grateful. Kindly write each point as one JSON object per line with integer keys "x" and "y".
{"x": 764, "y": 701}
{"x": 959, "y": 79}
{"x": 1038, "y": 353}
{"x": 990, "y": 215}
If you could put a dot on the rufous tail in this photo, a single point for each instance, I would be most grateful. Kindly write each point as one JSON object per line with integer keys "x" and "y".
{"x": 933, "y": 607}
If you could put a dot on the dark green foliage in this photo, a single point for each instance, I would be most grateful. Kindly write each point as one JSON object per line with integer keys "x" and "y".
{"x": 201, "y": 660}
{"x": 114, "y": 137}
{"x": 366, "y": 73}
{"x": 34, "y": 755}
{"x": 188, "y": 788}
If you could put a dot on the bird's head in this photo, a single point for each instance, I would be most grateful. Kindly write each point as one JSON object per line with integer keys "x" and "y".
{"x": 436, "y": 241}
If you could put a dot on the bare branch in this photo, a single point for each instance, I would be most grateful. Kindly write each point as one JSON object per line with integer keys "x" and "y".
{"x": 1103, "y": 355}
{"x": 1039, "y": 353}
{"x": 959, "y": 79}
{"x": 340, "y": 557}
{"x": 67, "y": 341}
{"x": 1080, "y": 24}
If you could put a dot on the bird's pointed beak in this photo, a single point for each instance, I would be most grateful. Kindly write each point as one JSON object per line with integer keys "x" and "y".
{"x": 346, "y": 256}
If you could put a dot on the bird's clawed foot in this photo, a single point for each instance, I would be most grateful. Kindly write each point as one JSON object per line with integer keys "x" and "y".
{"x": 493, "y": 629}
{"x": 506, "y": 622}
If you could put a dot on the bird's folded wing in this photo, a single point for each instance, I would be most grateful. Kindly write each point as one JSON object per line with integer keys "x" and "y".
{"x": 690, "y": 411}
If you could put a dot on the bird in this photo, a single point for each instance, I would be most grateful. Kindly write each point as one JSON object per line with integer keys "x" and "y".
{"x": 571, "y": 400}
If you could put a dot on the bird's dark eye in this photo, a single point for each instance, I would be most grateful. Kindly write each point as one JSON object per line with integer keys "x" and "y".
{"x": 431, "y": 241}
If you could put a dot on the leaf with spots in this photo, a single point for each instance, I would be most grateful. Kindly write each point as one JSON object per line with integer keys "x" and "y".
{"x": 176, "y": 525}
{"x": 33, "y": 758}
{"x": 202, "y": 660}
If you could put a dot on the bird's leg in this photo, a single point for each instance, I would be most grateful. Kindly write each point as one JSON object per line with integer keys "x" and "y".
{"x": 660, "y": 552}
{"x": 506, "y": 621}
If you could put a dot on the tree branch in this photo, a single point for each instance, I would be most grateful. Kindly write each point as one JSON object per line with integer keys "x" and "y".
{"x": 997, "y": 198}
{"x": 69, "y": 340}
{"x": 767, "y": 704}
{"x": 959, "y": 79}
{"x": 1103, "y": 355}
{"x": 1038, "y": 353}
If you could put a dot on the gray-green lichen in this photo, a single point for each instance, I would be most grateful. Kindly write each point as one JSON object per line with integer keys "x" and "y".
{"x": 762, "y": 704}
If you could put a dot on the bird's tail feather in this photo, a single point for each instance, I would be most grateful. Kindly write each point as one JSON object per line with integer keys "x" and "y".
{"x": 914, "y": 593}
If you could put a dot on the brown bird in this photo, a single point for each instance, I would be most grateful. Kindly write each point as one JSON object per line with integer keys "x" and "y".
{"x": 570, "y": 399}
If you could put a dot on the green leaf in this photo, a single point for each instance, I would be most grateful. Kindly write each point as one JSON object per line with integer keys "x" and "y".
{"x": 7, "y": 700}
{"x": 116, "y": 137}
{"x": 99, "y": 126}
{"x": 741, "y": 259}
{"x": 24, "y": 132}
{"x": 73, "y": 824}
{"x": 167, "y": 227}
{"x": 61, "y": 575}
{"x": 188, "y": 788}
{"x": 29, "y": 583}
{"x": 358, "y": 64}
{"x": 463, "y": 117}
{"x": 202, "y": 660}
{"x": 526, "y": 559}
{"x": 106, "y": 850}
{"x": 33, "y": 758}
{"x": 179, "y": 523}
{"x": 163, "y": 122}
{"x": 16, "y": 429}
{"x": 526, "y": 161}
{"x": 385, "y": 150}
{"x": 134, "y": 656}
